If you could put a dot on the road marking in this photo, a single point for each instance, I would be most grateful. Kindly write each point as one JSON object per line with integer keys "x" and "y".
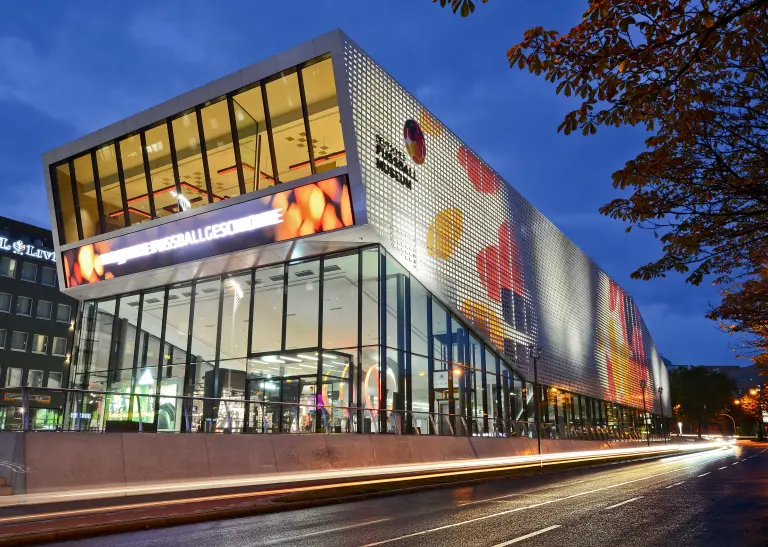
{"x": 321, "y": 532}
{"x": 703, "y": 474}
{"x": 526, "y": 536}
{"x": 723, "y": 467}
{"x": 624, "y": 502}
{"x": 676, "y": 484}
{"x": 491, "y": 499}
{"x": 735, "y": 463}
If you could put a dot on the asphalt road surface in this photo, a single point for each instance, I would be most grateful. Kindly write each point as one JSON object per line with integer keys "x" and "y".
{"x": 717, "y": 498}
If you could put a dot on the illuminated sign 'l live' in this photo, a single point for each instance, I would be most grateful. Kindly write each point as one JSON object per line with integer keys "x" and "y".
{"x": 194, "y": 237}
{"x": 20, "y": 248}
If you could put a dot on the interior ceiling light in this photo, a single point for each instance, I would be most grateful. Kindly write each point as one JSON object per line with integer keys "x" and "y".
{"x": 310, "y": 357}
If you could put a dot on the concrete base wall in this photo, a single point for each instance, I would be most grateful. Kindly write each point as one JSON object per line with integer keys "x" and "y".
{"x": 64, "y": 461}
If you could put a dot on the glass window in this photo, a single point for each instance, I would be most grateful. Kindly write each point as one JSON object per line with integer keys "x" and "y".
{"x": 66, "y": 204}
{"x": 23, "y": 305}
{"x": 8, "y": 267}
{"x": 28, "y": 271}
{"x": 59, "y": 347}
{"x": 48, "y": 277}
{"x": 419, "y": 303}
{"x": 370, "y": 282}
{"x": 189, "y": 159}
{"x": 396, "y": 278}
{"x": 161, "y": 170}
{"x": 44, "y": 309}
{"x": 111, "y": 196}
{"x": 340, "y": 302}
{"x": 324, "y": 118}
{"x": 19, "y": 341}
{"x": 267, "y": 309}
{"x": 253, "y": 140}
{"x": 288, "y": 131}
{"x": 175, "y": 350}
{"x": 86, "y": 196}
{"x": 125, "y": 344}
{"x": 219, "y": 150}
{"x": 13, "y": 377}
{"x": 5, "y": 302}
{"x": 39, "y": 343}
{"x": 204, "y": 331}
{"x": 234, "y": 320}
{"x": 35, "y": 378}
{"x": 63, "y": 313}
{"x": 3, "y": 336}
{"x": 420, "y": 394}
{"x": 135, "y": 178}
{"x": 441, "y": 343}
{"x": 302, "y": 313}
{"x": 55, "y": 379}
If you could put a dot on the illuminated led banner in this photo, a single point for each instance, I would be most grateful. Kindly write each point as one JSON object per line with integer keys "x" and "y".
{"x": 309, "y": 209}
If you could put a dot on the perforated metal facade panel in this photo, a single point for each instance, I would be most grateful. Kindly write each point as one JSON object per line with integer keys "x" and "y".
{"x": 467, "y": 234}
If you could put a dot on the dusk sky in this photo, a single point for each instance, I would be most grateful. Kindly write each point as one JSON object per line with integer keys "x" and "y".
{"x": 69, "y": 68}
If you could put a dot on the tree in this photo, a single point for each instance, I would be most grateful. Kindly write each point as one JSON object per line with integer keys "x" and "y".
{"x": 753, "y": 404}
{"x": 694, "y": 75}
{"x": 699, "y": 394}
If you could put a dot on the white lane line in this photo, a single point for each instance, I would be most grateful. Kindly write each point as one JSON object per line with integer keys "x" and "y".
{"x": 676, "y": 484}
{"x": 329, "y": 531}
{"x": 491, "y": 499}
{"x": 624, "y": 502}
{"x": 723, "y": 467}
{"x": 703, "y": 474}
{"x": 516, "y": 509}
{"x": 526, "y": 536}
{"x": 735, "y": 463}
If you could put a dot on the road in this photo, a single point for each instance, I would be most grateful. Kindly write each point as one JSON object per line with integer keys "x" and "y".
{"x": 714, "y": 498}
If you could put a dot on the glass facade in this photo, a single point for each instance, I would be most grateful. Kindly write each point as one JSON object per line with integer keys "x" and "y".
{"x": 291, "y": 348}
{"x": 275, "y": 131}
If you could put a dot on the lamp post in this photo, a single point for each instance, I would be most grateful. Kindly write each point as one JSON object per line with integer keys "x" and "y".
{"x": 734, "y": 421}
{"x": 535, "y": 353}
{"x": 643, "y": 385}
{"x": 661, "y": 406}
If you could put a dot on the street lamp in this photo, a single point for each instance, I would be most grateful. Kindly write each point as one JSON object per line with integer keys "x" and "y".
{"x": 643, "y": 385}
{"x": 734, "y": 421}
{"x": 535, "y": 352}
{"x": 661, "y": 406}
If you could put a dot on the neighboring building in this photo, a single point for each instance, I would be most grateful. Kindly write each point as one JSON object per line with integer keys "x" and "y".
{"x": 36, "y": 326}
{"x": 304, "y": 232}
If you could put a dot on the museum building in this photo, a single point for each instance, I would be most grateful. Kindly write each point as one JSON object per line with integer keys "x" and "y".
{"x": 301, "y": 246}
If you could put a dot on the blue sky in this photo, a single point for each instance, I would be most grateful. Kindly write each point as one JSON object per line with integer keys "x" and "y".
{"x": 68, "y": 68}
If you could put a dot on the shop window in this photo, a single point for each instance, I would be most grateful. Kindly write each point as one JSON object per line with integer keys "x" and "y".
{"x": 39, "y": 343}
{"x": 189, "y": 160}
{"x": 8, "y": 267}
{"x": 267, "y": 309}
{"x": 23, "y": 305}
{"x": 44, "y": 309}
{"x": 48, "y": 277}
{"x": 324, "y": 118}
{"x": 59, "y": 347}
{"x": 302, "y": 313}
{"x": 395, "y": 287}
{"x": 3, "y": 336}
{"x": 419, "y": 303}
{"x": 87, "y": 202}
{"x": 135, "y": 179}
{"x": 29, "y": 271}
{"x": 19, "y": 341}
{"x": 161, "y": 170}
{"x": 5, "y": 302}
{"x": 340, "y": 299}
{"x": 220, "y": 151}
{"x": 420, "y": 394}
{"x": 252, "y": 139}
{"x": 13, "y": 377}
{"x": 204, "y": 330}
{"x": 288, "y": 131}
{"x": 54, "y": 380}
{"x": 111, "y": 194}
{"x": 66, "y": 204}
